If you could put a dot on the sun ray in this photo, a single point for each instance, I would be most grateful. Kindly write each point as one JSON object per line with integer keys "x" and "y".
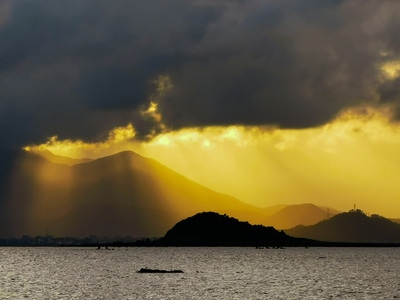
{"x": 352, "y": 158}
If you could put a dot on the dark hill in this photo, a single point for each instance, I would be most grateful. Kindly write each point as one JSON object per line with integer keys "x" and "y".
{"x": 213, "y": 229}
{"x": 353, "y": 226}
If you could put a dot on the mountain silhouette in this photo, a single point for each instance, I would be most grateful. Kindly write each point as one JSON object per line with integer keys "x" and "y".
{"x": 58, "y": 159}
{"x": 127, "y": 194}
{"x": 213, "y": 229}
{"x": 270, "y": 210}
{"x": 123, "y": 194}
{"x": 353, "y": 226}
{"x": 299, "y": 214}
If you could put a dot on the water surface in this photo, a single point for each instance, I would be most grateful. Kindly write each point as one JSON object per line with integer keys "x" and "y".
{"x": 209, "y": 273}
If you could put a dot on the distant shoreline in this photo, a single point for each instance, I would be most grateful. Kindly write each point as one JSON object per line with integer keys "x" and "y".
{"x": 332, "y": 245}
{"x": 112, "y": 247}
{"x": 156, "y": 244}
{"x": 317, "y": 244}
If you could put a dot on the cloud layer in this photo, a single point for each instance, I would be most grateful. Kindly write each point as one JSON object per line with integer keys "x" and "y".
{"x": 79, "y": 68}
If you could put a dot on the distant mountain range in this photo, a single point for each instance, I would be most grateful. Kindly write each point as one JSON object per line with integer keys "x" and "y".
{"x": 122, "y": 194}
{"x": 353, "y": 226}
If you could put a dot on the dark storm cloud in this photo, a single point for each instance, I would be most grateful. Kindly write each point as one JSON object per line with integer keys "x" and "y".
{"x": 78, "y": 68}
{"x": 290, "y": 63}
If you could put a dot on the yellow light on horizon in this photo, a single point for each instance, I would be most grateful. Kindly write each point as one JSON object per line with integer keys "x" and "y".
{"x": 351, "y": 159}
{"x": 117, "y": 140}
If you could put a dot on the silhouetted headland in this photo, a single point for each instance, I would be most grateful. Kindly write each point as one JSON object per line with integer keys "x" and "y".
{"x": 213, "y": 229}
{"x": 354, "y": 226}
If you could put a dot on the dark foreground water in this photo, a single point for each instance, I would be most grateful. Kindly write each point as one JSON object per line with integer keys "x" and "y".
{"x": 209, "y": 273}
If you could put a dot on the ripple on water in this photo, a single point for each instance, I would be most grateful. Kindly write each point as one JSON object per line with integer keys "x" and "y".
{"x": 209, "y": 273}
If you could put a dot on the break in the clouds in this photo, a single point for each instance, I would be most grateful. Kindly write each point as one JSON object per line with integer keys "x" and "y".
{"x": 78, "y": 68}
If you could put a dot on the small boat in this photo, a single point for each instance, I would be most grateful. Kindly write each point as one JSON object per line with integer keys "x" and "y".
{"x": 146, "y": 270}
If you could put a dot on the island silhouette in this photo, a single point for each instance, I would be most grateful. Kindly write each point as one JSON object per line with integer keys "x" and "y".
{"x": 354, "y": 226}
{"x": 213, "y": 229}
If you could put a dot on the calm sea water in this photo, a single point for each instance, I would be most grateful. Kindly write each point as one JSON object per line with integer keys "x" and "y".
{"x": 209, "y": 273}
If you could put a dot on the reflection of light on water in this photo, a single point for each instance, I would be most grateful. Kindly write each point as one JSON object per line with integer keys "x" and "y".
{"x": 209, "y": 273}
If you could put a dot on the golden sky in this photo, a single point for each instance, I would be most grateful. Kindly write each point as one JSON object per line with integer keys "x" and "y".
{"x": 352, "y": 160}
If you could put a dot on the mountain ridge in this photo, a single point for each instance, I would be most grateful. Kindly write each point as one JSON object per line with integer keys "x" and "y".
{"x": 354, "y": 226}
{"x": 58, "y": 159}
{"x": 123, "y": 194}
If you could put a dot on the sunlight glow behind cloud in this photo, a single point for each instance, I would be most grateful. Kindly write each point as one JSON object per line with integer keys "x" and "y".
{"x": 163, "y": 84}
{"x": 391, "y": 69}
{"x": 117, "y": 139}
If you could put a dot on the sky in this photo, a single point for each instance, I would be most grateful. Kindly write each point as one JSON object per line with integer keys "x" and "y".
{"x": 269, "y": 101}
